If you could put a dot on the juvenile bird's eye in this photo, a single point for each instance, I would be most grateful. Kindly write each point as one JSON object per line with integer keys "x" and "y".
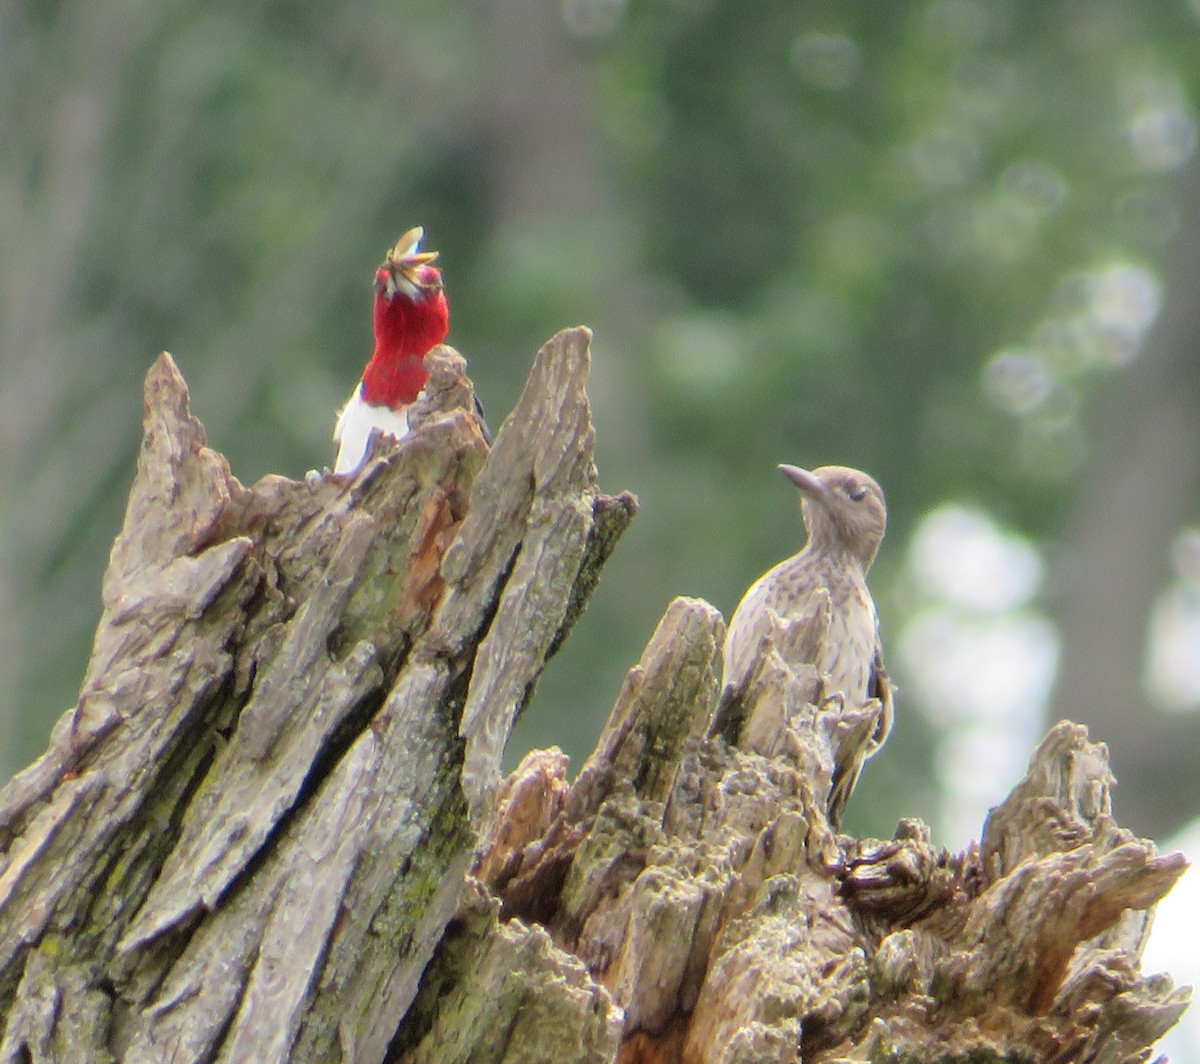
{"x": 857, "y": 492}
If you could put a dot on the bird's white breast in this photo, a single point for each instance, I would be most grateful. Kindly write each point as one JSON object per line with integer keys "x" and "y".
{"x": 357, "y": 420}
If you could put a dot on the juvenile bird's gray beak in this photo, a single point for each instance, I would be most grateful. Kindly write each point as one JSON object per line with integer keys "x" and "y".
{"x": 806, "y": 482}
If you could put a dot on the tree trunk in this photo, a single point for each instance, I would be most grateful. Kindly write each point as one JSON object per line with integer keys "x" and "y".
{"x": 1139, "y": 493}
{"x": 256, "y": 837}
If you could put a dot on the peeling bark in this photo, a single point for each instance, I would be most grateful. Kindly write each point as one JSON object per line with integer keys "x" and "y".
{"x": 248, "y": 836}
{"x": 272, "y": 828}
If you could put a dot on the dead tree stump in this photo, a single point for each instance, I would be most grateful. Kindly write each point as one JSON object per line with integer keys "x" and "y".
{"x": 256, "y": 837}
{"x": 700, "y": 884}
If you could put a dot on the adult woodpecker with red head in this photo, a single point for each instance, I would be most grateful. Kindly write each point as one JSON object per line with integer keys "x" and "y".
{"x": 411, "y": 317}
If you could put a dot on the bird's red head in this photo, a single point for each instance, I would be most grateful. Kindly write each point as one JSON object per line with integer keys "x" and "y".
{"x": 411, "y": 318}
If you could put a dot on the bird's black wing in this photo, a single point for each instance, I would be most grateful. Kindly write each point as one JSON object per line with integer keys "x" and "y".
{"x": 483, "y": 425}
{"x": 880, "y": 686}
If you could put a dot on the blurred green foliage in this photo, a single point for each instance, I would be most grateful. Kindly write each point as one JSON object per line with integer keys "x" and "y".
{"x": 801, "y": 232}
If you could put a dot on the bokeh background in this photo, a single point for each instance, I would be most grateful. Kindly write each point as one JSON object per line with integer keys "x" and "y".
{"x": 953, "y": 242}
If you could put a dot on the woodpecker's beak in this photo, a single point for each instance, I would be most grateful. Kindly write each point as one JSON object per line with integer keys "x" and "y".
{"x": 811, "y": 485}
{"x": 404, "y": 261}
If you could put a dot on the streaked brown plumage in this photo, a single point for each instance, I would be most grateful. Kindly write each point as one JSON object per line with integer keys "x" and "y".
{"x": 845, "y": 515}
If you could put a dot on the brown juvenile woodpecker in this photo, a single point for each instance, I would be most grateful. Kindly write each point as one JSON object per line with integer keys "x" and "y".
{"x": 845, "y": 515}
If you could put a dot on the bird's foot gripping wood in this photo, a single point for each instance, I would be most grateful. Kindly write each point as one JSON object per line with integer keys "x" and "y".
{"x": 314, "y": 477}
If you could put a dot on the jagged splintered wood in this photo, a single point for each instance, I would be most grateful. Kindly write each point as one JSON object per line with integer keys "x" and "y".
{"x": 255, "y": 838}
{"x": 247, "y": 838}
{"x": 700, "y": 884}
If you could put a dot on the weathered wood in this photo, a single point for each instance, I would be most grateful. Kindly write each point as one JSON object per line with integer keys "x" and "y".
{"x": 257, "y": 835}
{"x": 247, "y": 838}
{"x": 697, "y": 877}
